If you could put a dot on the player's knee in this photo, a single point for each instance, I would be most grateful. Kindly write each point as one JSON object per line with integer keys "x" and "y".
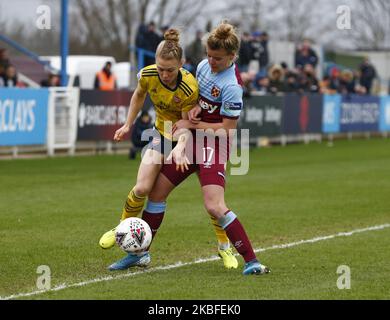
{"x": 157, "y": 196}
{"x": 142, "y": 190}
{"x": 215, "y": 209}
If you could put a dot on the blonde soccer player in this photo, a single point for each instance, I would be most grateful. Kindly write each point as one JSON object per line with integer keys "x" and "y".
{"x": 220, "y": 105}
{"x": 173, "y": 92}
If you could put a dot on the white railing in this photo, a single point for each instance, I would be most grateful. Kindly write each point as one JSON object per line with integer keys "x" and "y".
{"x": 62, "y": 119}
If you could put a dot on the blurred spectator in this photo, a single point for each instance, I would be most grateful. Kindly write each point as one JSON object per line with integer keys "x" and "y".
{"x": 260, "y": 49}
{"x": 2, "y": 73}
{"x": 276, "y": 79}
{"x": 247, "y": 80}
{"x": 4, "y": 60}
{"x": 163, "y": 29}
{"x": 189, "y": 66}
{"x": 359, "y": 89}
{"x": 334, "y": 79}
{"x": 305, "y": 55}
{"x": 52, "y": 81}
{"x": 148, "y": 39}
{"x": 245, "y": 54}
{"x": 367, "y": 74}
{"x": 10, "y": 78}
{"x": 195, "y": 51}
{"x": 307, "y": 80}
{"x": 262, "y": 84}
{"x": 105, "y": 79}
{"x": 291, "y": 82}
{"x": 347, "y": 82}
{"x": 325, "y": 86}
{"x": 140, "y": 37}
{"x": 284, "y": 65}
{"x": 143, "y": 122}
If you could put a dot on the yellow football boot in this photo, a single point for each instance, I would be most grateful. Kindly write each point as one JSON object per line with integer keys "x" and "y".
{"x": 107, "y": 241}
{"x": 229, "y": 260}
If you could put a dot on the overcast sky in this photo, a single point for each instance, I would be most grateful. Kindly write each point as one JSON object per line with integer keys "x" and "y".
{"x": 25, "y": 10}
{"x": 325, "y": 10}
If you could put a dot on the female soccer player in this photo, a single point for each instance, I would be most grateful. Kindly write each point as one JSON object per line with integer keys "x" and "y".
{"x": 173, "y": 91}
{"x": 220, "y": 106}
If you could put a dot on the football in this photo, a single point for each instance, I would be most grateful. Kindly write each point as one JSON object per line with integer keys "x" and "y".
{"x": 133, "y": 235}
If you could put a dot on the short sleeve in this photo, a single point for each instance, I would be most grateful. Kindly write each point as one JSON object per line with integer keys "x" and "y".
{"x": 232, "y": 102}
{"x": 200, "y": 66}
{"x": 142, "y": 80}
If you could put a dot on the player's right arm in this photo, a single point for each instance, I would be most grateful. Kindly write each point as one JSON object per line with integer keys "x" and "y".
{"x": 136, "y": 104}
{"x": 194, "y": 114}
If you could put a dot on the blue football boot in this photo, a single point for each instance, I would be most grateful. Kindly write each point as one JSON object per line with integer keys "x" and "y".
{"x": 131, "y": 260}
{"x": 255, "y": 267}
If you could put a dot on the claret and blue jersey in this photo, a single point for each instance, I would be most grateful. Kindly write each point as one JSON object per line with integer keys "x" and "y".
{"x": 220, "y": 94}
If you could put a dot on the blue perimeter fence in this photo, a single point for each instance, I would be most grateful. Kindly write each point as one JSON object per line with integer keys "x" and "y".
{"x": 24, "y": 114}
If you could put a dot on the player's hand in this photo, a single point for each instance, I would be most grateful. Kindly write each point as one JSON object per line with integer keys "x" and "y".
{"x": 120, "y": 133}
{"x": 181, "y": 124}
{"x": 194, "y": 114}
{"x": 179, "y": 157}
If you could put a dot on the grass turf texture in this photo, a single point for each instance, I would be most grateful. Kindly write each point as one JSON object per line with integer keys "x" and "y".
{"x": 53, "y": 211}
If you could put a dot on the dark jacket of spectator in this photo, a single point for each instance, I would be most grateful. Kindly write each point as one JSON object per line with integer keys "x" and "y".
{"x": 143, "y": 122}
{"x": 195, "y": 51}
{"x": 347, "y": 82}
{"x": 245, "y": 53}
{"x": 367, "y": 75}
{"x": 148, "y": 39}
{"x": 261, "y": 84}
{"x": 260, "y": 48}
{"x": 10, "y": 78}
{"x": 307, "y": 80}
{"x": 291, "y": 82}
{"x": 276, "y": 79}
{"x": 305, "y": 55}
{"x": 4, "y": 60}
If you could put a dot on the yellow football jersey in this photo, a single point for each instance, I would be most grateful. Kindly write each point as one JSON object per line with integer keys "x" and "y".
{"x": 169, "y": 103}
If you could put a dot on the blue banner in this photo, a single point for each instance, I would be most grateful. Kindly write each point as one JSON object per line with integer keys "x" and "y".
{"x": 302, "y": 114}
{"x": 331, "y": 114}
{"x": 384, "y": 122}
{"x": 359, "y": 114}
{"x": 23, "y": 116}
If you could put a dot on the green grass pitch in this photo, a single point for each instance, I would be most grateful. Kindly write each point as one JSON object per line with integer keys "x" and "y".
{"x": 53, "y": 212}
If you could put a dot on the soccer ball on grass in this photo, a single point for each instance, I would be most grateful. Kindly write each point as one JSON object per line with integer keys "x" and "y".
{"x": 133, "y": 235}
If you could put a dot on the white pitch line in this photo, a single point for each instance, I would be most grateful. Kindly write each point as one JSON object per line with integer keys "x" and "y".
{"x": 183, "y": 264}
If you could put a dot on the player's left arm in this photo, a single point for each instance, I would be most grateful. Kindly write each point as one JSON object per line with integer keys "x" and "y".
{"x": 178, "y": 152}
{"x": 184, "y": 135}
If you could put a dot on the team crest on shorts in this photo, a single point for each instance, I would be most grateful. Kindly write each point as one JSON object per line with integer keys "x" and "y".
{"x": 215, "y": 91}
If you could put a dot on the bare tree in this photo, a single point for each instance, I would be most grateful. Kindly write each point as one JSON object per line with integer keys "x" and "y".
{"x": 103, "y": 27}
{"x": 370, "y": 24}
{"x": 110, "y": 26}
{"x": 182, "y": 13}
{"x": 293, "y": 20}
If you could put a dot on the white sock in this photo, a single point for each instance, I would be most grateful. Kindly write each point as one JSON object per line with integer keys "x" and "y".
{"x": 224, "y": 246}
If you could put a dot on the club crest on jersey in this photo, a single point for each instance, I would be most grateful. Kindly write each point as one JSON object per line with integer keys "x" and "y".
{"x": 176, "y": 99}
{"x": 215, "y": 91}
